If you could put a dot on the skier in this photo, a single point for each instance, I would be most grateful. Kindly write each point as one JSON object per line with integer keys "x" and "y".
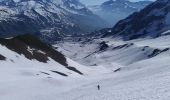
{"x": 98, "y": 87}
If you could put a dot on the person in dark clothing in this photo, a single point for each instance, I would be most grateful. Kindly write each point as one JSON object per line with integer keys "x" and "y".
{"x": 98, "y": 87}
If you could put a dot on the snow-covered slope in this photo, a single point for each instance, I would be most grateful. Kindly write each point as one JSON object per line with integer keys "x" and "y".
{"x": 140, "y": 68}
{"x": 28, "y": 51}
{"x": 49, "y": 19}
{"x": 112, "y": 54}
{"x": 142, "y": 79}
{"x": 33, "y": 70}
{"x": 124, "y": 70}
{"x": 114, "y": 10}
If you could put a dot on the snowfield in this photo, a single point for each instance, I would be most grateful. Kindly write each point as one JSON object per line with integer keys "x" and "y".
{"x": 131, "y": 70}
{"x": 140, "y": 77}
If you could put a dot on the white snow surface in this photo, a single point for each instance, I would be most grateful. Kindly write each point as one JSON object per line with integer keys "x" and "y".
{"x": 140, "y": 77}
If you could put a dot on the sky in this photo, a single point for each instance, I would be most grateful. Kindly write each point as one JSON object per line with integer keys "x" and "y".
{"x": 97, "y": 2}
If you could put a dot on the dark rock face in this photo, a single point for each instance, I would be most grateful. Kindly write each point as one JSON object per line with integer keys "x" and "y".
{"x": 60, "y": 73}
{"x": 2, "y": 57}
{"x": 152, "y": 21}
{"x": 103, "y": 46}
{"x": 157, "y": 52}
{"x": 117, "y": 70}
{"x": 32, "y": 48}
{"x": 122, "y": 46}
{"x": 74, "y": 69}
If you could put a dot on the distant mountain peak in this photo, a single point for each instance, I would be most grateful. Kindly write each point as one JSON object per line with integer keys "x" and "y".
{"x": 152, "y": 21}
{"x": 114, "y": 10}
{"x": 49, "y": 19}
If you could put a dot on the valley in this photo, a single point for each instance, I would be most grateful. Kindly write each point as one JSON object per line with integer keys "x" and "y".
{"x": 69, "y": 56}
{"x": 135, "y": 72}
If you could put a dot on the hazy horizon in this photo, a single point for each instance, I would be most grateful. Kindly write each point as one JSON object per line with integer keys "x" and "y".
{"x": 97, "y": 2}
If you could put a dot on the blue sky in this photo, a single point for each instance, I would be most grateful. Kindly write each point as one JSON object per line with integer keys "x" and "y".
{"x": 95, "y": 2}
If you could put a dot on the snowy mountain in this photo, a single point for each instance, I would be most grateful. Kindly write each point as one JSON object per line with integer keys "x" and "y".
{"x": 104, "y": 68}
{"x": 49, "y": 19}
{"x": 139, "y": 67}
{"x": 152, "y": 21}
{"x": 114, "y": 10}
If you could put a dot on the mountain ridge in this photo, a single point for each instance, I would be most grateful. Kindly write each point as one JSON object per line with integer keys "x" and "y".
{"x": 48, "y": 19}
{"x": 150, "y": 22}
{"x": 114, "y": 10}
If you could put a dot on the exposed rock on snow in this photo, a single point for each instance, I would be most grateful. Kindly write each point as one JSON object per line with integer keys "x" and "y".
{"x": 2, "y": 57}
{"x": 32, "y": 48}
